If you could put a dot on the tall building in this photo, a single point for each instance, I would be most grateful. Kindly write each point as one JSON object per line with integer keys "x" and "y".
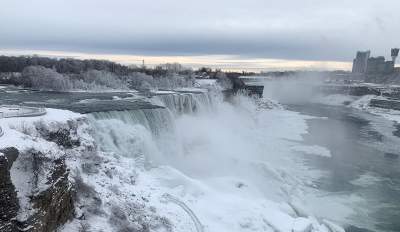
{"x": 360, "y": 62}
{"x": 364, "y": 64}
{"x": 395, "y": 53}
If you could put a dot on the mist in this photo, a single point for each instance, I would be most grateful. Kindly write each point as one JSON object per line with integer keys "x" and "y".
{"x": 300, "y": 88}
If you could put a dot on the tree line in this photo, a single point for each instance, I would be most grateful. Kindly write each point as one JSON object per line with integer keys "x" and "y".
{"x": 63, "y": 65}
{"x": 67, "y": 74}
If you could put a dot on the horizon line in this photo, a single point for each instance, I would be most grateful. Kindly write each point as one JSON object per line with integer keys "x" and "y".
{"x": 223, "y": 62}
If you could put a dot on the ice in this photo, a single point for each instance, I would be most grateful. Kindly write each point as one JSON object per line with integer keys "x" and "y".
{"x": 302, "y": 225}
{"x": 360, "y": 103}
{"x": 333, "y": 227}
{"x": 21, "y": 133}
{"x": 225, "y": 167}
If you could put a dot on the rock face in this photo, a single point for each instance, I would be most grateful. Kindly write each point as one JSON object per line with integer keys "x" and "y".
{"x": 52, "y": 206}
{"x": 8, "y": 196}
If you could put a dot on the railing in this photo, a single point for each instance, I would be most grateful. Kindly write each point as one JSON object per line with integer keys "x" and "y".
{"x": 196, "y": 221}
{"x": 22, "y": 111}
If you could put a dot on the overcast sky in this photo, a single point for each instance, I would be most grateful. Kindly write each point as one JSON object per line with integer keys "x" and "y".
{"x": 301, "y": 30}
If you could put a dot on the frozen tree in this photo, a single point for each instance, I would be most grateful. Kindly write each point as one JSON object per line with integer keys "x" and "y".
{"x": 103, "y": 78}
{"x": 39, "y": 77}
{"x": 139, "y": 81}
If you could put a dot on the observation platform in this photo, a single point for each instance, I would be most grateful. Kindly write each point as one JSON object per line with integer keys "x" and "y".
{"x": 9, "y": 111}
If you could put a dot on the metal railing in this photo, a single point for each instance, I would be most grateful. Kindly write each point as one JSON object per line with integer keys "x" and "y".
{"x": 196, "y": 221}
{"x": 22, "y": 111}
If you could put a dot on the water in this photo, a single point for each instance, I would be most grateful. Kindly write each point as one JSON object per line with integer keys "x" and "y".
{"x": 219, "y": 148}
{"x": 364, "y": 162}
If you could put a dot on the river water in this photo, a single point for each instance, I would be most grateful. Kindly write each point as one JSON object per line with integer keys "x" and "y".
{"x": 364, "y": 163}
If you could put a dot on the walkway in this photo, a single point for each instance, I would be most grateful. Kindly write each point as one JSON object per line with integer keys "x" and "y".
{"x": 19, "y": 111}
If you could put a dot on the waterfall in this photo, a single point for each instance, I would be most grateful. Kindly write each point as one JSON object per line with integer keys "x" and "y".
{"x": 155, "y": 120}
{"x": 199, "y": 151}
{"x": 148, "y": 134}
{"x": 186, "y": 103}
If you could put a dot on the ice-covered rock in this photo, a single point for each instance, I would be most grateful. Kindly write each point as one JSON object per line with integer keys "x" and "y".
{"x": 37, "y": 194}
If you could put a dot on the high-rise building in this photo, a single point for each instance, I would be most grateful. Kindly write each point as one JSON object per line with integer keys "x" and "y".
{"x": 360, "y": 62}
{"x": 378, "y": 65}
{"x": 364, "y": 64}
{"x": 395, "y": 53}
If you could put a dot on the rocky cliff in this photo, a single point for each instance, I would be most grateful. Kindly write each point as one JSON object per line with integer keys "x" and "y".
{"x": 35, "y": 191}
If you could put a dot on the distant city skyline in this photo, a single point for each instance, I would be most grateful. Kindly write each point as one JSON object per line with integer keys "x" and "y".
{"x": 243, "y": 34}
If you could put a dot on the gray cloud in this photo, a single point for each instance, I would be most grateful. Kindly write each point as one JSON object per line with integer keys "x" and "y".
{"x": 285, "y": 29}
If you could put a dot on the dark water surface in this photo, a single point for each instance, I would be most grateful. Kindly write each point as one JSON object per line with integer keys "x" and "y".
{"x": 362, "y": 145}
{"x": 81, "y": 102}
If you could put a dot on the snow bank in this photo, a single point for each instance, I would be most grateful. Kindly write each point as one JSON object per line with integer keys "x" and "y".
{"x": 360, "y": 103}
{"x": 15, "y": 129}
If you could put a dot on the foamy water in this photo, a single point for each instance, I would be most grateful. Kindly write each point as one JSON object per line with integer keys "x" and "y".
{"x": 236, "y": 166}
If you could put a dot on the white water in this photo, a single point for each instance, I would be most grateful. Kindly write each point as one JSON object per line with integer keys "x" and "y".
{"x": 233, "y": 164}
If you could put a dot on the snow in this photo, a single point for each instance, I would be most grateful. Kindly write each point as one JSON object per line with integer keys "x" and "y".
{"x": 177, "y": 90}
{"x": 333, "y": 227}
{"x": 363, "y": 104}
{"x": 231, "y": 169}
{"x": 206, "y": 82}
{"x": 163, "y": 92}
{"x": 302, "y": 225}
{"x": 234, "y": 179}
{"x": 187, "y": 89}
{"x": 20, "y": 132}
{"x": 13, "y": 127}
{"x": 360, "y": 103}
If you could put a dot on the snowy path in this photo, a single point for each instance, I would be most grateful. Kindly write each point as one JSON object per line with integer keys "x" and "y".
{"x": 20, "y": 111}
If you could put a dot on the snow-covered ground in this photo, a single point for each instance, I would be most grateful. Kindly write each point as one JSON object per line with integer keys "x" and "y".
{"x": 235, "y": 168}
{"x": 361, "y": 103}
{"x": 22, "y": 133}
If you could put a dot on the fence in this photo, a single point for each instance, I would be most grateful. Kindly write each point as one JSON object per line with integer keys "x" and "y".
{"x": 20, "y": 111}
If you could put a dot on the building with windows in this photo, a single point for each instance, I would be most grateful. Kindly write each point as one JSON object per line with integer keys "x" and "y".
{"x": 360, "y": 62}
{"x": 364, "y": 64}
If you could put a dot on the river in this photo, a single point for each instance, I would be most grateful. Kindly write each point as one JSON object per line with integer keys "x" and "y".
{"x": 364, "y": 163}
